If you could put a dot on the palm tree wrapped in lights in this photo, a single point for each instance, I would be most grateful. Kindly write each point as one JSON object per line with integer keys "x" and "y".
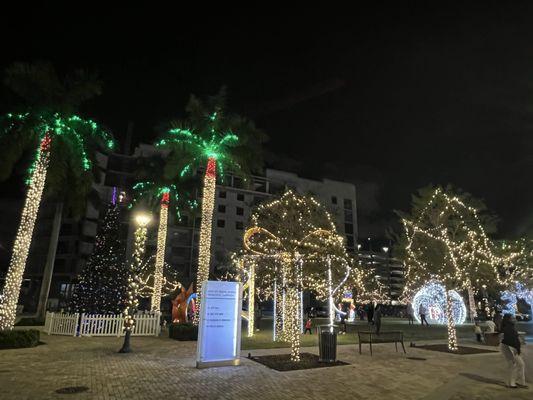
{"x": 218, "y": 141}
{"x": 64, "y": 145}
{"x": 164, "y": 197}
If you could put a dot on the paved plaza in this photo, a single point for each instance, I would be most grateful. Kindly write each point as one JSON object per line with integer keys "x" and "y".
{"x": 161, "y": 368}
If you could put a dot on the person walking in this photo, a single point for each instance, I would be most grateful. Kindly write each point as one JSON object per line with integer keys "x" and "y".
{"x": 377, "y": 318}
{"x": 422, "y": 311}
{"x": 308, "y": 325}
{"x": 510, "y": 348}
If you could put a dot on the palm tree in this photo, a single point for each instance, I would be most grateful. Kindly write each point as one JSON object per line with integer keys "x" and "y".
{"x": 64, "y": 146}
{"x": 211, "y": 138}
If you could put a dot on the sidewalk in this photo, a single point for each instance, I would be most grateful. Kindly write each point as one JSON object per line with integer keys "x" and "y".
{"x": 163, "y": 368}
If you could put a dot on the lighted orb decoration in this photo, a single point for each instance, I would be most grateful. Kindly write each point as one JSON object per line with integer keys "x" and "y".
{"x": 433, "y": 296}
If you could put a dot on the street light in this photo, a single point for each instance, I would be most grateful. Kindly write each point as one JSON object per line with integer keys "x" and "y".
{"x": 142, "y": 220}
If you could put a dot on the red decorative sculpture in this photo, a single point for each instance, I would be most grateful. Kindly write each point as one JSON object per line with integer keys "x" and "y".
{"x": 179, "y": 305}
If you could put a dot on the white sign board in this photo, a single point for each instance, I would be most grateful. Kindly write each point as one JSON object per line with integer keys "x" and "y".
{"x": 219, "y": 335}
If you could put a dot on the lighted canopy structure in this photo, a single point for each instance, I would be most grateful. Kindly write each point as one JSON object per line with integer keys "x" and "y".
{"x": 59, "y": 137}
{"x": 292, "y": 246}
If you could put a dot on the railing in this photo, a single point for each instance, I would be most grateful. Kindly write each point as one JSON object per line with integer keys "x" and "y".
{"x": 100, "y": 324}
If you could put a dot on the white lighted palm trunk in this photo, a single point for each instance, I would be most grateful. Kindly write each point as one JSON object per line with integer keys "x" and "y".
{"x": 204, "y": 252}
{"x": 452, "y": 333}
{"x": 132, "y": 301}
{"x": 11, "y": 292}
{"x": 160, "y": 255}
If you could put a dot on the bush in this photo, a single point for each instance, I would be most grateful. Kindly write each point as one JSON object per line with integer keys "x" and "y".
{"x": 18, "y": 339}
{"x": 30, "y": 322}
{"x": 183, "y": 332}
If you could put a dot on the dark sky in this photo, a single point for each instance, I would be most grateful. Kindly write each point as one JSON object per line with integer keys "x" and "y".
{"x": 391, "y": 99}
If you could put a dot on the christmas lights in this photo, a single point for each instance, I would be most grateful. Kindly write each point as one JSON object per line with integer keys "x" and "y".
{"x": 510, "y": 298}
{"x": 52, "y": 131}
{"x": 10, "y": 295}
{"x": 294, "y": 246}
{"x": 132, "y": 300}
{"x": 432, "y": 296}
{"x": 447, "y": 242}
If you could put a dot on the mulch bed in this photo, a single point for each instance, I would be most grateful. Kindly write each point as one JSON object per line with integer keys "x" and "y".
{"x": 282, "y": 362}
{"x": 461, "y": 351}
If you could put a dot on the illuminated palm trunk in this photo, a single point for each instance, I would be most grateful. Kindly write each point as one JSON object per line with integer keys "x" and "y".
{"x": 132, "y": 301}
{"x": 204, "y": 253}
{"x": 11, "y": 292}
{"x": 452, "y": 332}
{"x": 160, "y": 255}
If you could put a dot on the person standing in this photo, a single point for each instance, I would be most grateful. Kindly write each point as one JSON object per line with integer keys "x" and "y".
{"x": 510, "y": 348}
{"x": 370, "y": 313}
{"x": 477, "y": 330}
{"x": 377, "y": 318}
{"x": 422, "y": 311}
{"x": 308, "y": 325}
{"x": 498, "y": 320}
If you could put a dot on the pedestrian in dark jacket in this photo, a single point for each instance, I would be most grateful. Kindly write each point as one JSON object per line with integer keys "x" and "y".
{"x": 510, "y": 348}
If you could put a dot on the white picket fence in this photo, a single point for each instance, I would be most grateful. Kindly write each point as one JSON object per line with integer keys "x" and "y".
{"x": 61, "y": 324}
{"x": 100, "y": 324}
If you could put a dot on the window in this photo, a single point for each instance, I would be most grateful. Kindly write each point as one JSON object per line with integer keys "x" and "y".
{"x": 349, "y": 241}
{"x": 219, "y": 240}
{"x": 348, "y": 216}
{"x": 239, "y": 225}
{"x": 333, "y": 199}
{"x": 221, "y": 223}
{"x": 348, "y": 228}
{"x": 221, "y": 208}
{"x": 222, "y": 194}
{"x": 240, "y": 211}
{"x": 240, "y": 197}
{"x": 348, "y": 204}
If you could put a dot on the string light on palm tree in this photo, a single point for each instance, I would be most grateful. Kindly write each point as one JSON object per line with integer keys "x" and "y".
{"x": 166, "y": 197}
{"x": 55, "y": 133}
{"x": 142, "y": 220}
{"x": 210, "y": 140}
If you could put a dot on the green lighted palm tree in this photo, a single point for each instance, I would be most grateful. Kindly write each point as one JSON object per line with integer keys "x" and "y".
{"x": 211, "y": 139}
{"x": 64, "y": 145}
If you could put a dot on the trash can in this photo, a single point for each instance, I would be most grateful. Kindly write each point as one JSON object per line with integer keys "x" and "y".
{"x": 327, "y": 343}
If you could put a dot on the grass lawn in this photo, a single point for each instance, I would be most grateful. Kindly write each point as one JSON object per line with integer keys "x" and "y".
{"x": 412, "y": 333}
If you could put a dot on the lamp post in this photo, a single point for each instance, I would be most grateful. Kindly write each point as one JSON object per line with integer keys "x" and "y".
{"x": 142, "y": 220}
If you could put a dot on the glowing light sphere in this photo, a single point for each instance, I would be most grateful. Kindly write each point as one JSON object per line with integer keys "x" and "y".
{"x": 433, "y": 297}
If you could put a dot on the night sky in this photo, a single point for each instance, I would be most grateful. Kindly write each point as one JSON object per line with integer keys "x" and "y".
{"x": 391, "y": 99}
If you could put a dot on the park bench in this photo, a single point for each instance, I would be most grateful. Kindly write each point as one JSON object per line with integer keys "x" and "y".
{"x": 383, "y": 337}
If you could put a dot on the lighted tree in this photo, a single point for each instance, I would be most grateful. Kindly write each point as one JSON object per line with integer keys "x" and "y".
{"x": 103, "y": 283}
{"x": 295, "y": 246}
{"x": 445, "y": 239}
{"x": 215, "y": 141}
{"x": 64, "y": 146}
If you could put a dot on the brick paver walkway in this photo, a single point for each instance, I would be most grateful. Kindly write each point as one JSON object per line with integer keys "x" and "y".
{"x": 164, "y": 369}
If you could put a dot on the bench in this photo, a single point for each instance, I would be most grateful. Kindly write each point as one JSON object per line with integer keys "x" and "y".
{"x": 383, "y": 337}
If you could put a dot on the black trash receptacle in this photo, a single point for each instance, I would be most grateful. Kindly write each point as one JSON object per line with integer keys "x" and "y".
{"x": 327, "y": 343}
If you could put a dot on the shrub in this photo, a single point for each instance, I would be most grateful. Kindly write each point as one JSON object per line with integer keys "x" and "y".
{"x": 30, "y": 322}
{"x": 19, "y": 338}
{"x": 183, "y": 332}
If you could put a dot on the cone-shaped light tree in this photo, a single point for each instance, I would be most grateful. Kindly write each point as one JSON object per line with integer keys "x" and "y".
{"x": 445, "y": 239}
{"x": 64, "y": 145}
{"x": 216, "y": 141}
